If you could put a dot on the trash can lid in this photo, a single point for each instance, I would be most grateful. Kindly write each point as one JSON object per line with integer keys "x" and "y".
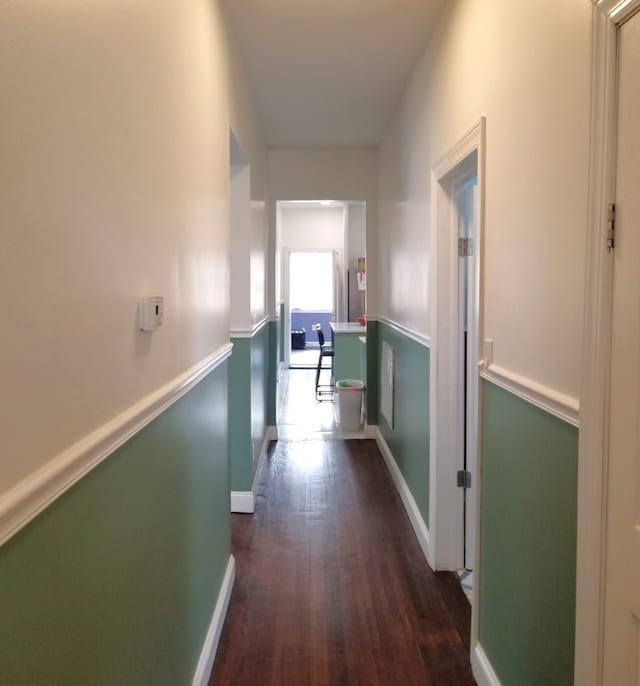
{"x": 350, "y": 384}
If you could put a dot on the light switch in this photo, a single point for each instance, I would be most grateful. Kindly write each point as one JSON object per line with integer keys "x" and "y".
{"x": 151, "y": 312}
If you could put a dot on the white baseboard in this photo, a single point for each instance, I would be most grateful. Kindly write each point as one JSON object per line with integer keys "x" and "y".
{"x": 244, "y": 502}
{"x": 208, "y": 654}
{"x": 418, "y": 523}
{"x": 482, "y": 669}
{"x": 370, "y": 430}
{"x": 272, "y": 434}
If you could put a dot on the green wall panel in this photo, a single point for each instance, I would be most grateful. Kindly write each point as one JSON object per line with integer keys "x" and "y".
{"x": 373, "y": 372}
{"x": 409, "y": 438}
{"x": 281, "y": 327}
{"x": 259, "y": 391}
{"x": 272, "y": 378}
{"x": 527, "y": 594}
{"x": 248, "y": 403}
{"x": 116, "y": 582}
{"x": 240, "y": 457}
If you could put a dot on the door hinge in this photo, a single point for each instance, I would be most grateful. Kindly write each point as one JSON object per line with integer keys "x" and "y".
{"x": 465, "y": 247}
{"x": 611, "y": 226}
{"x": 464, "y": 479}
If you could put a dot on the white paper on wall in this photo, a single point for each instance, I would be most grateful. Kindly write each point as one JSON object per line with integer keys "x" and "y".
{"x": 386, "y": 383}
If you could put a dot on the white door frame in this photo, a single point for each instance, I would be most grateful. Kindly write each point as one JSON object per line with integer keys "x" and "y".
{"x": 468, "y": 348}
{"x": 594, "y": 400}
{"x": 445, "y": 510}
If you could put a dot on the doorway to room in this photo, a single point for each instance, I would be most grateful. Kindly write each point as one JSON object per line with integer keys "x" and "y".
{"x": 320, "y": 284}
{"x": 466, "y": 194}
{"x": 312, "y": 301}
{"x": 455, "y": 475}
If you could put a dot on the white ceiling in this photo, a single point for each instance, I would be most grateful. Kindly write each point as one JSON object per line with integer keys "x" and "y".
{"x": 329, "y": 73}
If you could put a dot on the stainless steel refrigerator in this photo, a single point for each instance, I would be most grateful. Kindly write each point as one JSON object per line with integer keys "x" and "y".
{"x": 356, "y": 293}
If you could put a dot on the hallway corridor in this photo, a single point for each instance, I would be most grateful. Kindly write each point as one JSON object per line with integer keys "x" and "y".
{"x": 331, "y": 586}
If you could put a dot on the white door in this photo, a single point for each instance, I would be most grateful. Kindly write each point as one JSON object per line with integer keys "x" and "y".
{"x": 622, "y": 592}
{"x": 466, "y": 202}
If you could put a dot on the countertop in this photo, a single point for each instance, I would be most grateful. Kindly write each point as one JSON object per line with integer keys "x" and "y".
{"x": 348, "y": 327}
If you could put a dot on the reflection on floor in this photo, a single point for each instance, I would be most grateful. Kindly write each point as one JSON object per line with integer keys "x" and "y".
{"x": 307, "y": 358}
{"x": 332, "y": 587}
{"x": 300, "y": 415}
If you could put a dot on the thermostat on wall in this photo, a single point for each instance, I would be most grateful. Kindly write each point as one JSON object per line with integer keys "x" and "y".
{"x": 150, "y": 312}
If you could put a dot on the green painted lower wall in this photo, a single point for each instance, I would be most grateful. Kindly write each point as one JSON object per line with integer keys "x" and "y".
{"x": 373, "y": 372}
{"x": 528, "y": 534}
{"x": 528, "y": 519}
{"x": 240, "y": 449}
{"x": 281, "y": 323}
{"x": 409, "y": 438}
{"x": 272, "y": 374}
{"x": 248, "y": 402}
{"x": 116, "y": 582}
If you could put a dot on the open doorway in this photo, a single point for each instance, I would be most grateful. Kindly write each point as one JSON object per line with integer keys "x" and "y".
{"x": 466, "y": 194}
{"x": 312, "y": 301}
{"x": 320, "y": 281}
{"x": 455, "y": 475}
{"x": 304, "y": 228}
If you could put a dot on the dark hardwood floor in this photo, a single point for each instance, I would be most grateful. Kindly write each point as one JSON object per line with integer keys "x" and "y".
{"x": 332, "y": 587}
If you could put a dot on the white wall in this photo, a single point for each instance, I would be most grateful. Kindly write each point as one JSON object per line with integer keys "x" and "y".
{"x": 326, "y": 174}
{"x": 250, "y": 240}
{"x": 312, "y": 228}
{"x": 114, "y": 183}
{"x": 525, "y": 66}
{"x": 309, "y": 228}
{"x": 240, "y": 243}
{"x": 356, "y": 232}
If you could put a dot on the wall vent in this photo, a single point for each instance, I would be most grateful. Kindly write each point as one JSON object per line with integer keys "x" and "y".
{"x": 386, "y": 383}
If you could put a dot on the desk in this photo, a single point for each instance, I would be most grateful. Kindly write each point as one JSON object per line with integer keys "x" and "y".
{"x": 347, "y": 346}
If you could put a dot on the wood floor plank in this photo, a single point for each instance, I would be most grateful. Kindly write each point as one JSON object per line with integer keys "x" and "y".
{"x": 332, "y": 588}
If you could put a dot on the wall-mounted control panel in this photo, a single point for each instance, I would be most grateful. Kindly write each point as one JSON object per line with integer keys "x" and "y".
{"x": 150, "y": 312}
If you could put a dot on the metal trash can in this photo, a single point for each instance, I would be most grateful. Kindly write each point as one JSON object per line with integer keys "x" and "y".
{"x": 350, "y": 403}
